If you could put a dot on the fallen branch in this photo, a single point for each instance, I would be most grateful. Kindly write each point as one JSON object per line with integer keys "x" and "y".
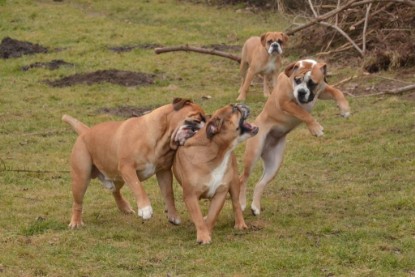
{"x": 198, "y": 50}
{"x": 392, "y": 91}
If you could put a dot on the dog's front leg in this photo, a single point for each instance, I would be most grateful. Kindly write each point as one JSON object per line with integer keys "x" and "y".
{"x": 216, "y": 205}
{"x": 165, "y": 180}
{"x": 250, "y": 74}
{"x": 331, "y": 92}
{"x": 295, "y": 110}
{"x": 234, "y": 191}
{"x": 129, "y": 175}
{"x": 192, "y": 204}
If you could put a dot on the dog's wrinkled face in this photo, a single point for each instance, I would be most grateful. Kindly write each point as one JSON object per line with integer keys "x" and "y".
{"x": 190, "y": 118}
{"x": 230, "y": 123}
{"x": 308, "y": 79}
{"x": 274, "y": 42}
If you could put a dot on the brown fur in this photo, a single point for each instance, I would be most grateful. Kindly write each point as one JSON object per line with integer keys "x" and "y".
{"x": 255, "y": 60}
{"x": 208, "y": 156}
{"x": 129, "y": 151}
{"x": 281, "y": 114}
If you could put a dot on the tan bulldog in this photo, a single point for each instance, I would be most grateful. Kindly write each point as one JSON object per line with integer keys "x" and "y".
{"x": 205, "y": 166}
{"x": 261, "y": 55}
{"x": 131, "y": 151}
{"x": 290, "y": 103}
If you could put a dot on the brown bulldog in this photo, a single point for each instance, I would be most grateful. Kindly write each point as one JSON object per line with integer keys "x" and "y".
{"x": 205, "y": 166}
{"x": 261, "y": 55}
{"x": 131, "y": 151}
{"x": 289, "y": 104}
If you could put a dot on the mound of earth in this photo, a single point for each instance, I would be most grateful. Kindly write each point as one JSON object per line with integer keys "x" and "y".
{"x": 52, "y": 65}
{"x": 127, "y": 48}
{"x": 126, "y": 111}
{"x": 11, "y": 48}
{"x": 119, "y": 77}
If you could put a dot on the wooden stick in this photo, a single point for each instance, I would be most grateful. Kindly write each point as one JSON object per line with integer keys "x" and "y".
{"x": 392, "y": 91}
{"x": 198, "y": 50}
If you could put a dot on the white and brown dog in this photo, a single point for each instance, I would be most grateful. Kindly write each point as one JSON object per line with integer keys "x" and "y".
{"x": 261, "y": 55}
{"x": 205, "y": 166}
{"x": 131, "y": 151}
{"x": 290, "y": 103}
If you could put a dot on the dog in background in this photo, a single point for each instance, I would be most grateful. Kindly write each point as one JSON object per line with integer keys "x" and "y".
{"x": 261, "y": 55}
{"x": 132, "y": 151}
{"x": 290, "y": 103}
{"x": 205, "y": 166}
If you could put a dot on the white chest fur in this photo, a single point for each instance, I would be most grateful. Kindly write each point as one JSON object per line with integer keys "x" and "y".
{"x": 217, "y": 175}
{"x": 270, "y": 66}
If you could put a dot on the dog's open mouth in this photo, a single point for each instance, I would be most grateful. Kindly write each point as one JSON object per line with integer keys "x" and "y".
{"x": 187, "y": 130}
{"x": 244, "y": 126}
{"x": 248, "y": 128}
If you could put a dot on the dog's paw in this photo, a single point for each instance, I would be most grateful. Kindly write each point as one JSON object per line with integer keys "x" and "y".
{"x": 316, "y": 129}
{"x": 255, "y": 210}
{"x": 75, "y": 225}
{"x": 240, "y": 226}
{"x": 243, "y": 207}
{"x": 204, "y": 239}
{"x": 345, "y": 114}
{"x": 145, "y": 212}
{"x": 175, "y": 220}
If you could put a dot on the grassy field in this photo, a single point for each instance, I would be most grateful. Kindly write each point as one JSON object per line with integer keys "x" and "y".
{"x": 342, "y": 204}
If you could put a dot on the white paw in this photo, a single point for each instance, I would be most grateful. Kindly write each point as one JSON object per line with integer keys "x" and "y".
{"x": 175, "y": 220}
{"x": 345, "y": 114}
{"x": 255, "y": 210}
{"x": 145, "y": 212}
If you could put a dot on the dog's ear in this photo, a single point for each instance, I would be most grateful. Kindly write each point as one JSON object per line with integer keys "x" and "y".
{"x": 264, "y": 39}
{"x": 213, "y": 127}
{"x": 179, "y": 103}
{"x": 284, "y": 38}
{"x": 289, "y": 70}
{"x": 323, "y": 68}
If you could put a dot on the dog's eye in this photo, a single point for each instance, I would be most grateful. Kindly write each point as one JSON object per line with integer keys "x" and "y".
{"x": 269, "y": 41}
{"x": 297, "y": 81}
{"x": 280, "y": 42}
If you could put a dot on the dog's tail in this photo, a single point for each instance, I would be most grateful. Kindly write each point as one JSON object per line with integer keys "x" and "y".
{"x": 77, "y": 125}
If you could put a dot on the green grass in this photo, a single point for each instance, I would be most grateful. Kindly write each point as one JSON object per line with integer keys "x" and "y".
{"x": 342, "y": 204}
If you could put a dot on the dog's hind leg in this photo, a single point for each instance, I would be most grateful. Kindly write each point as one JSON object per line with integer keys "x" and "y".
{"x": 81, "y": 167}
{"x": 122, "y": 204}
{"x": 165, "y": 180}
{"x": 252, "y": 152}
{"x": 272, "y": 157}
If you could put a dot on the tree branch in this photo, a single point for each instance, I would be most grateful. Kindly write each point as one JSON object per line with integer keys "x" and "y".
{"x": 198, "y": 50}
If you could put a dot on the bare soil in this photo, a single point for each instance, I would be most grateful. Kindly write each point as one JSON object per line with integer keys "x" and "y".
{"x": 119, "y": 77}
{"x": 52, "y": 65}
{"x": 12, "y": 48}
{"x": 127, "y": 48}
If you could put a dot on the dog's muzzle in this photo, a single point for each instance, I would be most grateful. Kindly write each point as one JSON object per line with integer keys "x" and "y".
{"x": 275, "y": 47}
{"x": 305, "y": 96}
{"x": 245, "y": 127}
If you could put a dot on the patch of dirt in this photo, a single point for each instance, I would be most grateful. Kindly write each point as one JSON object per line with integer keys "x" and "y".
{"x": 11, "y": 48}
{"x": 119, "y": 77}
{"x": 52, "y": 65}
{"x": 223, "y": 47}
{"x": 127, "y": 48}
{"x": 126, "y": 111}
